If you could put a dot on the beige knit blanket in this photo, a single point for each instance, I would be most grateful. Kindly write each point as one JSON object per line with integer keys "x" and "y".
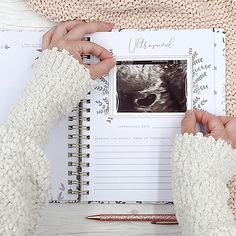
{"x": 179, "y": 14}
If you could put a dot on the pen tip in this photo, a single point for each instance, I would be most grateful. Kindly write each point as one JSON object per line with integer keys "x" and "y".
{"x": 93, "y": 217}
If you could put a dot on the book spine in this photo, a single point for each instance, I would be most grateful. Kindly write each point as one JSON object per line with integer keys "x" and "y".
{"x": 79, "y": 136}
{"x": 79, "y": 145}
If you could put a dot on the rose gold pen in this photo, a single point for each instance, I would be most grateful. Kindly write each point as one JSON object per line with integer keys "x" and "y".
{"x": 153, "y": 218}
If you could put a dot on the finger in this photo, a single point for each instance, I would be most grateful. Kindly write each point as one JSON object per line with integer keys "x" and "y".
{"x": 81, "y": 30}
{"x": 99, "y": 69}
{"x": 188, "y": 124}
{"x": 226, "y": 119}
{"x": 47, "y": 38}
{"x": 230, "y": 127}
{"x": 85, "y": 47}
{"x": 213, "y": 124}
{"x": 102, "y": 68}
{"x": 63, "y": 28}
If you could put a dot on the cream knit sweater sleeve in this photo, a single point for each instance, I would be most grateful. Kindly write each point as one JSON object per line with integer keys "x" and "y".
{"x": 201, "y": 169}
{"x": 58, "y": 83}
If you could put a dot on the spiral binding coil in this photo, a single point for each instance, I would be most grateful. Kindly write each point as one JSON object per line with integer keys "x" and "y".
{"x": 78, "y": 123}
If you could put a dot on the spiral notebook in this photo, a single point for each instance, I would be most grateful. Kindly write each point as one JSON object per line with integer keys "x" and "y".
{"x": 116, "y": 144}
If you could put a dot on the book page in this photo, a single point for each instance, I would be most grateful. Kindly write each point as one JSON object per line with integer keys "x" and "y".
{"x": 18, "y": 52}
{"x": 133, "y": 121}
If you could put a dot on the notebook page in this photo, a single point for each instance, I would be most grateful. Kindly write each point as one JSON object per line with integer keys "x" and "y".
{"x": 130, "y": 160}
{"x": 130, "y": 152}
{"x": 18, "y": 51}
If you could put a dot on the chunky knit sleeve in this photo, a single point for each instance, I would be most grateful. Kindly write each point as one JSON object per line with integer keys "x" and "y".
{"x": 201, "y": 169}
{"x": 58, "y": 83}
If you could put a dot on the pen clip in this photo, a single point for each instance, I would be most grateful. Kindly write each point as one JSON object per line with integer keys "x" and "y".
{"x": 164, "y": 222}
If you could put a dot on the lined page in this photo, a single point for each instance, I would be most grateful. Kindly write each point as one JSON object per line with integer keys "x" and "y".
{"x": 131, "y": 162}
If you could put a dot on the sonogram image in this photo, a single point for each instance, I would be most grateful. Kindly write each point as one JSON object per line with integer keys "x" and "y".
{"x": 151, "y": 86}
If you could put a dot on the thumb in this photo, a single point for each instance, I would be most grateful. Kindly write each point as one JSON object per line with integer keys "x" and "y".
{"x": 188, "y": 124}
{"x": 101, "y": 68}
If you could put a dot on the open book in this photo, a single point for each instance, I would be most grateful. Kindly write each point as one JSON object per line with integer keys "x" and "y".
{"x": 116, "y": 145}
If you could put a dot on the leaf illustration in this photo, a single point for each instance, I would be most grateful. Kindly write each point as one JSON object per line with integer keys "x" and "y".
{"x": 6, "y": 46}
{"x": 62, "y": 188}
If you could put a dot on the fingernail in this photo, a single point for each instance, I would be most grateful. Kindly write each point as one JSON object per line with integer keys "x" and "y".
{"x": 108, "y": 23}
{"x": 188, "y": 113}
{"x": 113, "y": 61}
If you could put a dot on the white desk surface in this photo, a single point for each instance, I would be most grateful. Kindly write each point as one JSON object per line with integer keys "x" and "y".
{"x": 69, "y": 219}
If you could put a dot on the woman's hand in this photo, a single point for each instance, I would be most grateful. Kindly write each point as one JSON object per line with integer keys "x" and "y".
{"x": 220, "y": 127}
{"x": 69, "y": 35}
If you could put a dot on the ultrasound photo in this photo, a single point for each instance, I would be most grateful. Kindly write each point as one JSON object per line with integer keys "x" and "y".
{"x": 151, "y": 86}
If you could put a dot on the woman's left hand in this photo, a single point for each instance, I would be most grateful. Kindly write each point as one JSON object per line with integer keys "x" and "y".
{"x": 69, "y": 36}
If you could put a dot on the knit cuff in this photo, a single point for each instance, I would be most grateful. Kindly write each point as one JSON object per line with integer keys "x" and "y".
{"x": 66, "y": 81}
{"x": 201, "y": 168}
{"x": 195, "y": 155}
{"x": 59, "y": 83}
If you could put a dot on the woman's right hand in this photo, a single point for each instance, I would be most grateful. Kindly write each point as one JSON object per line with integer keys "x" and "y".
{"x": 219, "y": 127}
{"x": 69, "y": 36}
